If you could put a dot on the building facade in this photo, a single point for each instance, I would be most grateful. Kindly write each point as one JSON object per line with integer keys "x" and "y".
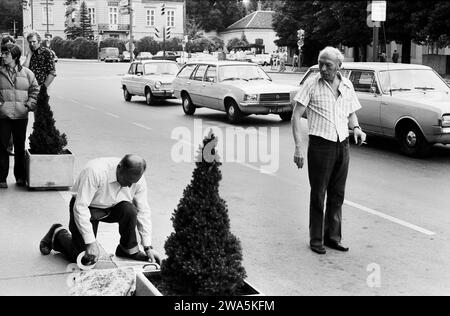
{"x": 108, "y": 18}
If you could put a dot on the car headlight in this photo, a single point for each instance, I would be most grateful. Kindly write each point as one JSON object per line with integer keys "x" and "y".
{"x": 445, "y": 122}
{"x": 250, "y": 97}
{"x": 158, "y": 85}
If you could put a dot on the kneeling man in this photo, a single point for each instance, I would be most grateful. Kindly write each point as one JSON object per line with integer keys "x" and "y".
{"x": 107, "y": 190}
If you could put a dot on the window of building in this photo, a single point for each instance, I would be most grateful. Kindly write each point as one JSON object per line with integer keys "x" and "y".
{"x": 92, "y": 15}
{"x": 50, "y": 14}
{"x": 113, "y": 15}
{"x": 150, "y": 17}
{"x": 171, "y": 18}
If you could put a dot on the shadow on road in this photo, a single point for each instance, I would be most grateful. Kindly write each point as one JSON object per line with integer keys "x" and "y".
{"x": 248, "y": 121}
{"x": 438, "y": 152}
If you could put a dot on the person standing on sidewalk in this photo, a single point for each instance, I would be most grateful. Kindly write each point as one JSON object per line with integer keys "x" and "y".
{"x": 107, "y": 190}
{"x": 40, "y": 60}
{"x": 18, "y": 94}
{"x": 331, "y": 104}
{"x": 9, "y": 40}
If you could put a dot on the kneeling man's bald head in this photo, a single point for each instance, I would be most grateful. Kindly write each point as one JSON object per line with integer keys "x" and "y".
{"x": 130, "y": 170}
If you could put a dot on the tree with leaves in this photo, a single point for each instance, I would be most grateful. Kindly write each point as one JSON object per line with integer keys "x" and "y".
{"x": 203, "y": 257}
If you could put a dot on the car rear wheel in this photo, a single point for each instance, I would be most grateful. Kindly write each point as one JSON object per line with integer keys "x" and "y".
{"x": 412, "y": 142}
{"x": 126, "y": 95}
{"x": 149, "y": 98}
{"x": 188, "y": 106}
{"x": 234, "y": 114}
{"x": 285, "y": 117}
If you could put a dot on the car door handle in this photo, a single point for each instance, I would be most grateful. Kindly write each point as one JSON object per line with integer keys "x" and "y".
{"x": 204, "y": 85}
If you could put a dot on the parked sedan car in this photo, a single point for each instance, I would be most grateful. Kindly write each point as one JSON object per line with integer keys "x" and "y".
{"x": 151, "y": 79}
{"x": 144, "y": 56}
{"x": 125, "y": 56}
{"x": 237, "y": 88}
{"x": 410, "y": 103}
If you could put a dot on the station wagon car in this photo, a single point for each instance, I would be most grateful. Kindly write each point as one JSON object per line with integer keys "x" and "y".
{"x": 151, "y": 79}
{"x": 237, "y": 88}
{"x": 410, "y": 103}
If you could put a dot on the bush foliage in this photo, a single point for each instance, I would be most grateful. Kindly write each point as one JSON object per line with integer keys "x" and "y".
{"x": 203, "y": 257}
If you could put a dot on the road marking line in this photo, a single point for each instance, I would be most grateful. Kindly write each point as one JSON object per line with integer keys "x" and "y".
{"x": 113, "y": 115}
{"x": 75, "y": 101}
{"x": 89, "y": 107}
{"x": 142, "y": 126}
{"x": 390, "y": 218}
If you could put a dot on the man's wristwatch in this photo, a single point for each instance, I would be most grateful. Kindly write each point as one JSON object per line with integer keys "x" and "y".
{"x": 356, "y": 127}
{"x": 148, "y": 248}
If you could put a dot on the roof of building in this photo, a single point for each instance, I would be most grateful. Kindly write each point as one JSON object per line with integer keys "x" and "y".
{"x": 255, "y": 20}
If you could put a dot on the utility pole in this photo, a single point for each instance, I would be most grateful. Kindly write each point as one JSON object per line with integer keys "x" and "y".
{"x": 131, "y": 30}
{"x": 14, "y": 28}
{"x": 47, "y": 18}
{"x": 31, "y": 9}
{"x": 163, "y": 13}
{"x": 375, "y": 43}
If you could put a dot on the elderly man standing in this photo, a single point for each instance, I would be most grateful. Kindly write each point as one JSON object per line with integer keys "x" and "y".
{"x": 40, "y": 60}
{"x": 107, "y": 190}
{"x": 331, "y": 104}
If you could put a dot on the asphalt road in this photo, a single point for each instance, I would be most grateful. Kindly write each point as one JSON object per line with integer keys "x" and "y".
{"x": 396, "y": 219}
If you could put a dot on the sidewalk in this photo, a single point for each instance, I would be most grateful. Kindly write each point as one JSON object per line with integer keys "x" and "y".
{"x": 25, "y": 217}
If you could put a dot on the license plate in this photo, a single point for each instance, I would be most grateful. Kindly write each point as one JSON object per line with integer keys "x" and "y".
{"x": 276, "y": 110}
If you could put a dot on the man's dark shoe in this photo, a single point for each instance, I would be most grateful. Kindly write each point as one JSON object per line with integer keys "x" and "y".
{"x": 10, "y": 153}
{"x": 319, "y": 250}
{"x": 20, "y": 183}
{"x": 139, "y": 256}
{"x": 45, "y": 245}
{"x": 336, "y": 246}
{"x": 3, "y": 185}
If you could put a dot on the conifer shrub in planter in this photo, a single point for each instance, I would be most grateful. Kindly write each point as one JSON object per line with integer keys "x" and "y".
{"x": 203, "y": 257}
{"x": 48, "y": 163}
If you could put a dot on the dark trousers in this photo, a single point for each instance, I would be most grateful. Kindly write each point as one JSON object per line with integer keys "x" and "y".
{"x": 72, "y": 244}
{"x": 18, "y": 129}
{"x": 328, "y": 169}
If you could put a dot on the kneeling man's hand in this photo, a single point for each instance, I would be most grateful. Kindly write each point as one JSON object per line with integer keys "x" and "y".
{"x": 153, "y": 255}
{"x": 92, "y": 252}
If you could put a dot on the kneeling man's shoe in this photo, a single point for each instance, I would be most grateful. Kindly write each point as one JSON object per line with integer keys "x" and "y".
{"x": 46, "y": 245}
{"x": 138, "y": 256}
{"x": 319, "y": 250}
{"x": 336, "y": 246}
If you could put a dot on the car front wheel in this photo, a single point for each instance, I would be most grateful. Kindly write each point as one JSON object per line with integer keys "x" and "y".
{"x": 149, "y": 99}
{"x": 412, "y": 142}
{"x": 188, "y": 106}
{"x": 126, "y": 95}
{"x": 234, "y": 114}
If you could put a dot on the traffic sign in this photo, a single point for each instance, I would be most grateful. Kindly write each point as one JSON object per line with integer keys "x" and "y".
{"x": 379, "y": 11}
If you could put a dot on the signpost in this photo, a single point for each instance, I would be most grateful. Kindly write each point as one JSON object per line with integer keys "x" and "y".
{"x": 376, "y": 14}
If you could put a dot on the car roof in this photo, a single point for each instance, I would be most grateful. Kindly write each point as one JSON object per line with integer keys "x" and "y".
{"x": 153, "y": 61}
{"x": 379, "y": 66}
{"x": 222, "y": 63}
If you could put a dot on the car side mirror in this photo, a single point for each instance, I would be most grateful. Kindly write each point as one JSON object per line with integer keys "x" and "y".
{"x": 212, "y": 80}
{"x": 139, "y": 73}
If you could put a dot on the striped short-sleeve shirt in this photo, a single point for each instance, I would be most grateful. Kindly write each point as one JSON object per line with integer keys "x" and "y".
{"x": 328, "y": 116}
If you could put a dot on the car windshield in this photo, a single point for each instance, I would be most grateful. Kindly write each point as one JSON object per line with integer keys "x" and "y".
{"x": 242, "y": 72}
{"x": 411, "y": 80}
{"x": 161, "y": 69}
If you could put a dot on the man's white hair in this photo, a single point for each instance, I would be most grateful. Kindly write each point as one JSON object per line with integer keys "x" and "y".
{"x": 332, "y": 52}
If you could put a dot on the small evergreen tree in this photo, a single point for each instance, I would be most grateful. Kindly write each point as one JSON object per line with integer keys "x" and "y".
{"x": 203, "y": 257}
{"x": 45, "y": 138}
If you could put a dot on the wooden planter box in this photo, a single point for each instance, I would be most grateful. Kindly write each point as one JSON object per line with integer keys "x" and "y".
{"x": 144, "y": 287}
{"x": 49, "y": 171}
